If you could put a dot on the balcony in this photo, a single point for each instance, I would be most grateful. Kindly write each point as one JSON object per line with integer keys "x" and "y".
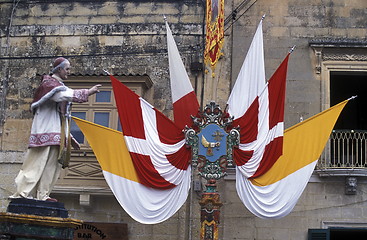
{"x": 345, "y": 154}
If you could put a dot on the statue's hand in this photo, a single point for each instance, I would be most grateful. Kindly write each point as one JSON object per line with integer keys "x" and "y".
{"x": 94, "y": 89}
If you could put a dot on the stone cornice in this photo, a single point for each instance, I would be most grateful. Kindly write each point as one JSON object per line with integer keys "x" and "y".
{"x": 342, "y": 49}
{"x": 338, "y": 43}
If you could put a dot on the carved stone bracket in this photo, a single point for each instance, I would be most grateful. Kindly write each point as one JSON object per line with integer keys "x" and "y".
{"x": 318, "y": 54}
{"x": 351, "y": 185}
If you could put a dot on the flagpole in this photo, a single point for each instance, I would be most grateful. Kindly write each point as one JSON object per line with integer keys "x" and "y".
{"x": 292, "y": 49}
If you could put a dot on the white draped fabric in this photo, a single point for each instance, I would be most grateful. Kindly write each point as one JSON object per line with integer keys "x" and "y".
{"x": 180, "y": 82}
{"x": 147, "y": 205}
{"x": 251, "y": 79}
{"x": 275, "y": 200}
{"x": 184, "y": 100}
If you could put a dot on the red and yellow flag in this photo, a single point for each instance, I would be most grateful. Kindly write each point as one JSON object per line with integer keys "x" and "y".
{"x": 214, "y": 31}
{"x": 275, "y": 193}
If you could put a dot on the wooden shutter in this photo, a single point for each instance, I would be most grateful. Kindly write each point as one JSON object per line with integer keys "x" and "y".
{"x": 318, "y": 234}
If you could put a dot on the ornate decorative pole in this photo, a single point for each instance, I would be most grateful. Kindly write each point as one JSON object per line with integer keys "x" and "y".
{"x": 212, "y": 147}
{"x": 210, "y": 211}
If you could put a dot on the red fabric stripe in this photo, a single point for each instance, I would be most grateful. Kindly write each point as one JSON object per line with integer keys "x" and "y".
{"x": 128, "y": 106}
{"x": 168, "y": 132}
{"x": 241, "y": 157}
{"x": 183, "y": 109}
{"x": 181, "y": 159}
{"x": 147, "y": 174}
{"x": 277, "y": 86}
{"x": 276, "y": 90}
{"x": 130, "y": 112}
{"x": 272, "y": 152}
{"x": 248, "y": 123}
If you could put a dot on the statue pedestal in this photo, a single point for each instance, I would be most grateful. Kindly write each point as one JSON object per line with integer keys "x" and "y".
{"x": 33, "y": 219}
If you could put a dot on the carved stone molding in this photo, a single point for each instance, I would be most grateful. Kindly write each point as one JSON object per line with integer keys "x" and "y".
{"x": 338, "y": 50}
{"x": 344, "y": 57}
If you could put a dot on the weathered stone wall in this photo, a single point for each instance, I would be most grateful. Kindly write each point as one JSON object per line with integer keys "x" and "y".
{"x": 123, "y": 37}
{"x": 128, "y": 37}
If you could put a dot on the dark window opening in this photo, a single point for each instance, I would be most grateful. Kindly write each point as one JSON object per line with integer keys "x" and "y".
{"x": 348, "y": 141}
{"x": 344, "y": 85}
{"x": 337, "y": 234}
{"x": 345, "y": 233}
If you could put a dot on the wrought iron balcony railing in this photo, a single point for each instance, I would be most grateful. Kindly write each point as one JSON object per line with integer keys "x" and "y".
{"x": 346, "y": 149}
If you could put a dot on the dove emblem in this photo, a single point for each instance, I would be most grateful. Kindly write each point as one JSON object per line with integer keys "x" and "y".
{"x": 209, "y": 145}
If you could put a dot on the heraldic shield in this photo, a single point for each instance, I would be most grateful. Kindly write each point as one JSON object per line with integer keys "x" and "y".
{"x": 212, "y": 142}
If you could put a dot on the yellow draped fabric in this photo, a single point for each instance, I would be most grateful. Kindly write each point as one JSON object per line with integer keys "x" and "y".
{"x": 303, "y": 144}
{"x": 110, "y": 149}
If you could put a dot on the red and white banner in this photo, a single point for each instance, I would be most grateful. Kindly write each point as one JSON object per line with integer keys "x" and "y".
{"x": 272, "y": 166}
{"x": 149, "y": 171}
{"x": 184, "y": 100}
{"x": 251, "y": 79}
{"x": 258, "y": 108}
{"x": 262, "y": 127}
{"x": 157, "y": 150}
{"x": 156, "y": 144}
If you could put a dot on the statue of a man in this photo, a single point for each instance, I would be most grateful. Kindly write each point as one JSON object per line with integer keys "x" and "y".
{"x": 50, "y": 140}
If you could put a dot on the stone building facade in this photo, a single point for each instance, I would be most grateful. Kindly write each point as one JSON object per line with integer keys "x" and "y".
{"x": 127, "y": 38}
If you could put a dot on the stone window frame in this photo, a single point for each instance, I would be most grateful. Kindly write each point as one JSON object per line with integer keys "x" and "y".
{"x": 336, "y": 66}
{"x": 337, "y": 55}
{"x": 333, "y": 55}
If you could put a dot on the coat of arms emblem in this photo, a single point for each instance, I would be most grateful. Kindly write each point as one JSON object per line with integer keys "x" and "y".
{"x": 212, "y": 142}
